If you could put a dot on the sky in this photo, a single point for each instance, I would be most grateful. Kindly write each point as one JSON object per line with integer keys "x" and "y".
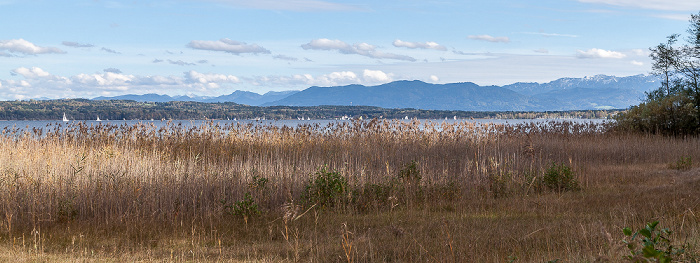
{"x": 89, "y": 48}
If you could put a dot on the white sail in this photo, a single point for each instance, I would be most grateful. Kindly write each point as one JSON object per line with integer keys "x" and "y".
{"x": 98, "y": 118}
{"x": 64, "y": 117}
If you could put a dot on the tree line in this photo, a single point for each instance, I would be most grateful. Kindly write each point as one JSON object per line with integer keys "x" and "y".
{"x": 84, "y": 109}
{"x": 673, "y": 108}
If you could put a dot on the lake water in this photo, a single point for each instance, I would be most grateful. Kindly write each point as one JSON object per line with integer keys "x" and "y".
{"x": 29, "y": 125}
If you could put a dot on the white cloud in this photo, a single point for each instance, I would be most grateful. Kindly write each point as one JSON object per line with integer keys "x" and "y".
{"x": 26, "y": 47}
{"x": 541, "y": 51}
{"x": 107, "y": 80}
{"x": 338, "y": 78}
{"x": 331, "y": 79}
{"x": 145, "y": 82}
{"x": 490, "y": 38}
{"x": 434, "y": 78}
{"x": 86, "y": 85}
{"x": 110, "y": 50}
{"x": 375, "y": 76}
{"x": 32, "y": 73}
{"x": 113, "y": 70}
{"x": 675, "y": 5}
{"x": 76, "y": 44}
{"x": 227, "y": 45}
{"x": 637, "y": 63}
{"x": 287, "y": 58}
{"x": 196, "y": 77}
{"x": 289, "y": 5}
{"x": 181, "y": 63}
{"x": 414, "y": 45}
{"x": 328, "y": 44}
{"x": 599, "y": 53}
{"x": 362, "y": 49}
{"x": 38, "y": 74}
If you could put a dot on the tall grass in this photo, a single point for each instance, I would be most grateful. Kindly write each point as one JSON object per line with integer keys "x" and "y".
{"x": 170, "y": 191}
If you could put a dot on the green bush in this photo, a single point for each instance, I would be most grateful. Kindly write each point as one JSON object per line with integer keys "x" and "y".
{"x": 560, "y": 178}
{"x": 410, "y": 190}
{"x": 671, "y": 115}
{"x": 500, "y": 183}
{"x": 326, "y": 189}
{"x": 683, "y": 163}
{"x": 410, "y": 175}
{"x": 650, "y": 244}
{"x": 246, "y": 207}
{"x": 373, "y": 196}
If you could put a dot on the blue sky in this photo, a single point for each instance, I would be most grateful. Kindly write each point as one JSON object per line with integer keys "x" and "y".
{"x": 89, "y": 48}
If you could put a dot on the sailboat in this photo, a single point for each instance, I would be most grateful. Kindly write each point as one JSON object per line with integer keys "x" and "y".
{"x": 98, "y": 118}
{"x": 64, "y": 117}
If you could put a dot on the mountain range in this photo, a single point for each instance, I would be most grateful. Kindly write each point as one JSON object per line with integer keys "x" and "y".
{"x": 597, "y": 92}
{"x": 239, "y": 96}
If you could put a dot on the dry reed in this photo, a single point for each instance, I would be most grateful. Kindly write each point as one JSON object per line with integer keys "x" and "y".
{"x": 90, "y": 192}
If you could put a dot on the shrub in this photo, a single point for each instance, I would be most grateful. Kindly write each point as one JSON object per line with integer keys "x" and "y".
{"x": 559, "y": 177}
{"x": 326, "y": 189}
{"x": 373, "y": 196}
{"x": 499, "y": 183}
{"x": 260, "y": 190}
{"x": 409, "y": 178}
{"x": 410, "y": 175}
{"x": 245, "y": 208}
{"x": 67, "y": 211}
{"x": 650, "y": 244}
{"x": 671, "y": 115}
{"x": 258, "y": 183}
{"x": 683, "y": 163}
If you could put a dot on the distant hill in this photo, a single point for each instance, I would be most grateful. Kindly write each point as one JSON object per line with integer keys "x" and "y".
{"x": 240, "y": 97}
{"x": 598, "y": 92}
{"x": 589, "y": 93}
{"x": 414, "y": 94}
{"x": 251, "y": 98}
{"x": 140, "y": 98}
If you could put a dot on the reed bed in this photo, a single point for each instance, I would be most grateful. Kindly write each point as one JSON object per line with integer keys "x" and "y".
{"x": 141, "y": 192}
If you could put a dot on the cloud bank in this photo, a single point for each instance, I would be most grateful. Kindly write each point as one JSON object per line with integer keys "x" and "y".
{"x": 599, "y": 53}
{"x": 362, "y": 49}
{"x": 110, "y": 50}
{"x": 227, "y": 45}
{"x": 421, "y": 45}
{"x": 338, "y": 78}
{"x": 112, "y": 81}
{"x": 76, "y": 44}
{"x": 26, "y": 47}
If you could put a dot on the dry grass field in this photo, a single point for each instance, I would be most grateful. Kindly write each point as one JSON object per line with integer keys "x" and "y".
{"x": 363, "y": 191}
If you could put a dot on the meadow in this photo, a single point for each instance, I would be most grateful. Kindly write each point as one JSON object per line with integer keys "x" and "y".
{"x": 361, "y": 191}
